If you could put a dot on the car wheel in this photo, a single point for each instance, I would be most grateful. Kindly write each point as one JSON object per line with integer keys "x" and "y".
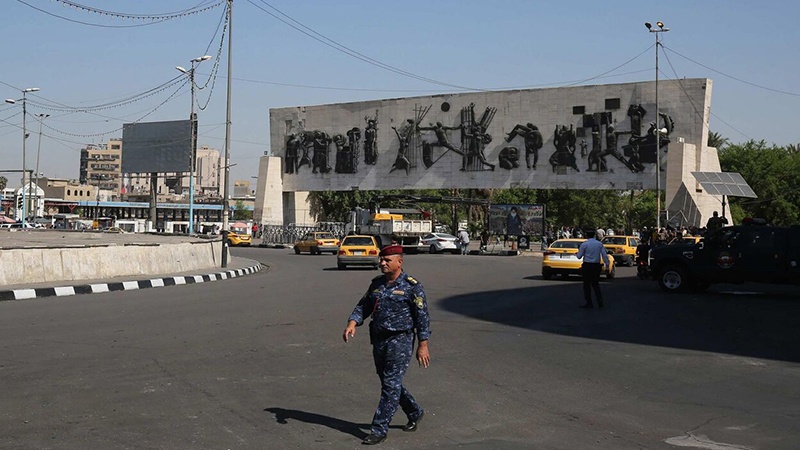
{"x": 340, "y": 266}
{"x": 315, "y": 251}
{"x": 546, "y": 273}
{"x": 432, "y": 250}
{"x": 612, "y": 273}
{"x": 630, "y": 262}
{"x": 673, "y": 279}
{"x": 296, "y": 250}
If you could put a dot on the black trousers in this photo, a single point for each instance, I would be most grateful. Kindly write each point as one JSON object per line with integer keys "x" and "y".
{"x": 591, "y": 280}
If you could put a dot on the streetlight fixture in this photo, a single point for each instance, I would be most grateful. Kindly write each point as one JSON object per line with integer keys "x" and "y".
{"x": 24, "y": 138}
{"x": 41, "y": 118}
{"x": 657, "y": 32}
{"x": 193, "y": 120}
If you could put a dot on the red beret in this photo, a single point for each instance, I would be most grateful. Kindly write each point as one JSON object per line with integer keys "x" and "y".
{"x": 392, "y": 250}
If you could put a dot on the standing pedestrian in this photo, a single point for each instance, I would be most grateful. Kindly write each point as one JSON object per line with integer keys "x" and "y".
{"x": 463, "y": 241}
{"x": 399, "y": 312}
{"x": 591, "y": 250}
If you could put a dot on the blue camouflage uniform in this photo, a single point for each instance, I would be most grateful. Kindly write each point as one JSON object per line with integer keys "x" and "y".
{"x": 398, "y": 309}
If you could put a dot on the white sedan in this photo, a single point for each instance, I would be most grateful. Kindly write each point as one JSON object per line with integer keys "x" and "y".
{"x": 439, "y": 242}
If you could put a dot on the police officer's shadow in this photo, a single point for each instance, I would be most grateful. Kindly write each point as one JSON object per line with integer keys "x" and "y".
{"x": 355, "y": 429}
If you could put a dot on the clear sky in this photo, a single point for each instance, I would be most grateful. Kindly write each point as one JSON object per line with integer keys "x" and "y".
{"x": 465, "y": 43}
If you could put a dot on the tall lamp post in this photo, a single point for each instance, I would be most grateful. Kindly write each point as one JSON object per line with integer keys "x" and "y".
{"x": 41, "y": 118}
{"x": 193, "y": 120}
{"x": 657, "y": 32}
{"x": 24, "y": 138}
{"x": 226, "y": 160}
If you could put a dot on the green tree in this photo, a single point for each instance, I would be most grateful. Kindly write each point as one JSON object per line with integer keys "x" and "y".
{"x": 716, "y": 140}
{"x": 3, "y": 182}
{"x": 774, "y": 174}
{"x": 240, "y": 212}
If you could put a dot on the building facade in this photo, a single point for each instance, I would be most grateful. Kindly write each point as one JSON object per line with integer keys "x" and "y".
{"x": 101, "y": 166}
{"x": 174, "y": 186}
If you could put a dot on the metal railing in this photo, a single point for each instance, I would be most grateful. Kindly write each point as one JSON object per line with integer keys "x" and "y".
{"x": 278, "y": 234}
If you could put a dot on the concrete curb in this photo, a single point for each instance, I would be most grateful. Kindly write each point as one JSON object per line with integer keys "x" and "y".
{"x": 63, "y": 291}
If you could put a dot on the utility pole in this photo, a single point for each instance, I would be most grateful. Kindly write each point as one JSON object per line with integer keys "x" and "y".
{"x": 25, "y": 182}
{"x": 38, "y": 151}
{"x": 226, "y": 160}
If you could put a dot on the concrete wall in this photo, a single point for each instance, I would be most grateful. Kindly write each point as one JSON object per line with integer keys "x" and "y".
{"x": 686, "y": 101}
{"x": 37, "y": 265}
{"x": 268, "y": 208}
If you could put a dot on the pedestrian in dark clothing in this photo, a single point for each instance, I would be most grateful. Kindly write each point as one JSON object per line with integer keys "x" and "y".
{"x": 399, "y": 312}
{"x": 592, "y": 250}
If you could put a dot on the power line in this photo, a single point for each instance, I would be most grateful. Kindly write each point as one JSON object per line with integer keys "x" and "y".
{"x": 126, "y": 101}
{"x": 342, "y": 88}
{"x": 119, "y": 129}
{"x": 794, "y": 94}
{"x": 153, "y": 18}
{"x": 692, "y": 101}
{"x": 348, "y": 51}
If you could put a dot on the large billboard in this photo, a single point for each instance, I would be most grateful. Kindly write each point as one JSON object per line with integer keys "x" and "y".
{"x": 157, "y": 146}
{"x": 516, "y": 220}
{"x": 584, "y": 137}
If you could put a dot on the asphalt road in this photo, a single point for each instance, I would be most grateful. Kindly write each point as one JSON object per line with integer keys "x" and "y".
{"x": 258, "y": 363}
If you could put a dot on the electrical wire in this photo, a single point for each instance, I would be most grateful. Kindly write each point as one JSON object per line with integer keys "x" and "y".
{"x": 340, "y": 88}
{"x": 171, "y": 96}
{"x": 348, "y": 51}
{"x": 692, "y": 101}
{"x": 197, "y": 8}
{"x": 355, "y": 54}
{"x": 154, "y": 18}
{"x": 794, "y": 94}
{"x": 217, "y": 62}
{"x": 55, "y": 106}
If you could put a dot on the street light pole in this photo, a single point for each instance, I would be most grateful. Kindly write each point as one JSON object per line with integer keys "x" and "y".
{"x": 226, "y": 160}
{"x": 25, "y": 182}
{"x": 657, "y": 32}
{"x": 38, "y": 152}
{"x": 193, "y": 121}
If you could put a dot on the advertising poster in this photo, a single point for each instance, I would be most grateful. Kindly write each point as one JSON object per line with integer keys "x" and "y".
{"x": 516, "y": 220}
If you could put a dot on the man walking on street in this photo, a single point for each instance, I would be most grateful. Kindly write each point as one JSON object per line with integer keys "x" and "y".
{"x": 399, "y": 312}
{"x": 591, "y": 250}
{"x": 463, "y": 241}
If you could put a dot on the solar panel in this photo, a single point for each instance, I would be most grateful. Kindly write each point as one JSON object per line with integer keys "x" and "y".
{"x": 724, "y": 183}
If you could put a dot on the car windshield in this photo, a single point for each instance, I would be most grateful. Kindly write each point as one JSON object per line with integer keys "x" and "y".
{"x": 360, "y": 241}
{"x": 615, "y": 240}
{"x": 323, "y": 236}
{"x": 566, "y": 244}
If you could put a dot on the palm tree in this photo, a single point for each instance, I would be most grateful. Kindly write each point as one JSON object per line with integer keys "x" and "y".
{"x": 716, "y": 140}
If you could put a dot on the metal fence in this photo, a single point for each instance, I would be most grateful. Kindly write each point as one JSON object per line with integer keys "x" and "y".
{"x": 278, "y": 234}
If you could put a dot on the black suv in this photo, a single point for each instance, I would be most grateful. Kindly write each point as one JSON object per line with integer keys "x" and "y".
{"x": 752, "y": 251}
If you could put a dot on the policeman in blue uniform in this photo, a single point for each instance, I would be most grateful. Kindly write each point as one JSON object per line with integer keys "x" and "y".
{"x": 399, "y": 312}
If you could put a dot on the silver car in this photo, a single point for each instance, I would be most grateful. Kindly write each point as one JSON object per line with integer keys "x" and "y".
{"x": 438, "y": 243}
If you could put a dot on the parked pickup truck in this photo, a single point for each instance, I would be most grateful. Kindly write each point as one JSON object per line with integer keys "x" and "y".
{"x": 752, "y": 251}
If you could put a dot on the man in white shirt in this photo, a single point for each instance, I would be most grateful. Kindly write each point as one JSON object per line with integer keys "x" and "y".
{"x": 591, "y": 251}
{"x": 463, "y": 240}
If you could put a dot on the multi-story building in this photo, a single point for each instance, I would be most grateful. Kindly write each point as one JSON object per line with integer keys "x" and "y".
{"x": 101, "y": 166}
{"x": 241, "y": 188}
{"x": 172, "y": 185}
